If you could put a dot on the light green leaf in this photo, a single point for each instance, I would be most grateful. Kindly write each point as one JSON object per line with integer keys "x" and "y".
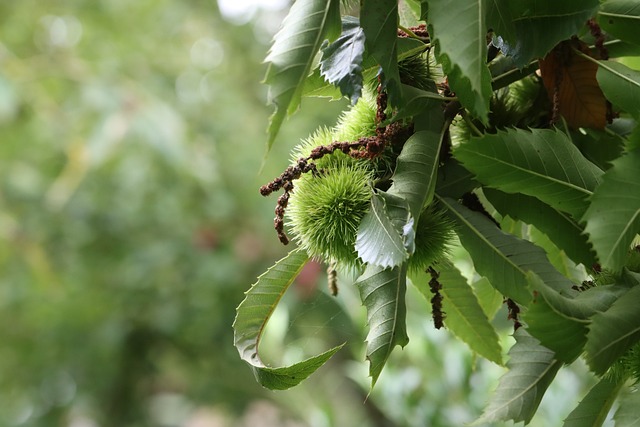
{"x": 542, "y": 163}
{"x": 567, "y": 234}
{"x": 613, "y": 218}
{"x": 460, "y": 33}
{"x": 621, "y": 18}
{"x": 503, "y": 258}
{"x": 382, "y": 292}
{"x": 489, "y": 298}
{"x": 379, "y": 20}
{"x": 532, "y": 367}
{"x": 252, "y": 316}
{"x": 628, "y": 413}
{"x": 593, "y": 409}
{"x": 620, "y": 85}
{"x": 385, "y": 232}
{"x": 613, "y": 332}
{"x": 464, "y": 316}
{"x": 291, "y": 56}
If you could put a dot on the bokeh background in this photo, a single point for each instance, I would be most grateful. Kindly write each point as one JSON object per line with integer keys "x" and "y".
{"x": 131, "y": 148}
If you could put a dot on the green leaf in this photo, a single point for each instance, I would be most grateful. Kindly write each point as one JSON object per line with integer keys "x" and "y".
{"x": 613, "y": 218}
{"x": 532, "y": 367}
{"x": 593, "y": 409}
{"x": 613, "y": 332}
{"x": 341, "y": 63}
{"x": 379, "y": 20}
{"x": 464, "y": 316}
{"x": 382, "y": 292}
{"x": 628, "y": 413}
{"x": 460, "y": 32}
{"x": 303, "y": 31}
{"x": 489, "y": 298}
{"x": 454, "y": 180}
{"x": 621, "y": 18}
{"x": 252, "y": 316}
{"x": 503, "y": 258}
{"x": 542, "y": 163}
{"x": 385, "y": 232}
{"x": 567, "y": 234}
{"x": 620, "y": 85}
{"x": 600, "y": 147}
{"x": 531, "y": 29}
{"x": 416, "y": 101}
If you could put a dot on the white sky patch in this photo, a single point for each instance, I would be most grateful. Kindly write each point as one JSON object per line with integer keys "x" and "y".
{"x": 241, "y": 11}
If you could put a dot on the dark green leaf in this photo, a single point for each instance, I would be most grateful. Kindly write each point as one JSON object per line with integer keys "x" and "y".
{"x": 379, "y": 20}
{"x": 253, "y": 314}
{"x": 459, "y": 31}
{"x": 416, "y": 101}
{"x": 613, "y": 218}
{"x": 454, "y": 180}
{"x": 613, "y": 332}
{"x": 386, "y": 233}
{"x": 628, "y": 413}
{"x": 621, "y": 18}
{"x": 558, "y": 226}
{"x": 541, "y": 163}
{"x": 598, "y": 146}
{"x": 532, "y": 367}
{"x": 341, "y": 63}
{"x": 303, "y": 31}
{"x": 620, "y": 85}
{"x": 383, "y": 294}
{"x": 593, "y": 409}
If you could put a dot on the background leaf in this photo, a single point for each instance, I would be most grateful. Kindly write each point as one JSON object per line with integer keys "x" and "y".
{"x": 459, "y": 31}
{"x": 621, "y": 18}
{"x": 542, "y": 163}
{"x": 593, "y": 409}
{"x": 303, "y": 31}
{"x": 382, "y": 292}
{"x": 252, "y": 316}
{"x": 532, "y": 367}
{"x": 341, "y": 63}
{"x": 613, "y": 218}
{"x": 628, "y": 413}
{"x": 464, "y": 316}
{"x": 621, "y": 85}
{"x": 379, "y": 20}
{"x": 613, "y": 332}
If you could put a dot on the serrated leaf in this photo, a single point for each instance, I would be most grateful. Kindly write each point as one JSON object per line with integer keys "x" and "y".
{"x": 489, "y": 298}
{"x": 303, "y": 31}
{"x": 464, "y": 316}
{"x": 454, "y": 180}
{"x": 628, "y": 413}
{"x": 593, "y": 409}
{"x": 613, "y": 332}
{"x": 532, "y": 367}
{"x": 501, "y": 257}
{"x": 541, "y": 163}
{"x": 460, "y": 32}
{"x": 341, "y": 63}
{"x": 379, "y": 20}
{"x": 613, "y": 218}
{"x": 621, "y": 85}
{"x": 599, "y": 147}
{"x": 567, "y": 234}
{"x": 621, "y": 18}
{"x": 252, "y": 316}
{"x": 382, "y": 292}
{"x": 383, "y": 237}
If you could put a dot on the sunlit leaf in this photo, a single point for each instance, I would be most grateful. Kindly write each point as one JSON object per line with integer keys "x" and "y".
{"x": 532, "y": 367}
{"x": 542, "y": 163}
{"x": 341, "y": 63}
{"x": 621, "y": 85}
{"x": 379, "y": 20}
{"x": 489, "y": 298}
{"x": 594, "y": 408}
{"x": 570, "y": 79}
{"x": 252, "y": 316}
{"x": 613, "y": 218}
{"x": 460, "y": 37}
{"x": 303, "y": 31}
{"x": 621, "y": 18}
{"x": 613, "y": 332}
{"x": 464, "y": 316}
{"x": 383, "y": 294}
